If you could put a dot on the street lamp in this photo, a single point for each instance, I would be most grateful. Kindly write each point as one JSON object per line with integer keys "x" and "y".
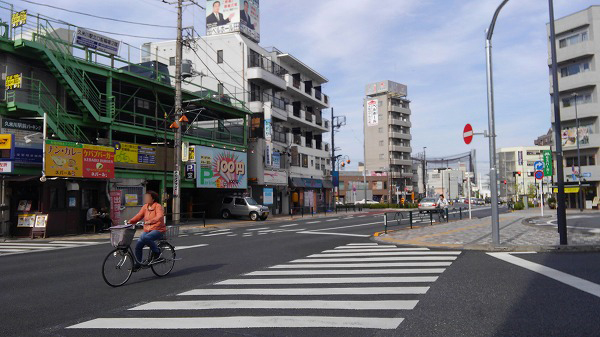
{"x": 425, "y": 171}
{"x": 575, "y": 96}
{"x": 492, "y": 128}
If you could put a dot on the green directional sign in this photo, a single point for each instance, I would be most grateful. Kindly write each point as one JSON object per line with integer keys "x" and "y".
{"x": 547, "y": 158}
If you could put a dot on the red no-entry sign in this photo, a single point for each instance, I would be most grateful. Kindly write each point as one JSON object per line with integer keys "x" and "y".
{"x": 468, "y": 134}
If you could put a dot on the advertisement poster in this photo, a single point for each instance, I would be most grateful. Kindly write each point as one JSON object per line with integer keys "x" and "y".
{"x": 128, "y": 153}
{"x": 220, "y": 168}
{"x": 25, "y": 220}
{"x": 275, "y": 178}
{"x": 41, "y": 220}
{"x": 276, "y": 160}
{"x": 98, "y": 162}
{"x": 96, "y": 41}
{"x": 228, "y": 16}
{"x": 131, "y": 199}
{"x": 115, "y": 206}
{"x": 64, "y": 159}
{"x": 267, "y": 196}
{"x": 569, "y": 136}
{"x": 372, "y": 112}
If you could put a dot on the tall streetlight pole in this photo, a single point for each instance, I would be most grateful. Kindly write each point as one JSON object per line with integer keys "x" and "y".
{"x": 492, "y": 127}
{"x": 178, "y": 111}
{"x": 425, "y": 171}
{"x": 575, "y": 96}
{"x": 561, "y": 215}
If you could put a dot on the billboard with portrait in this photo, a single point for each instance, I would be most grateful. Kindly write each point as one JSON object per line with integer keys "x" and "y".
{"x": 229, "y": 16}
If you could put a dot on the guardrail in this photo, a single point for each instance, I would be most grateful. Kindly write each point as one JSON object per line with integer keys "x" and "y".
{"x": 408, "y": 217}
{"x": 186, "y": 217}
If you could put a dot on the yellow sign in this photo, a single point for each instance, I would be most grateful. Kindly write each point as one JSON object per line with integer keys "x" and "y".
{"x": 192, "y": 154}
{"x": 64, "y": 159}
{"x": 568, "y": 190}
{"x": 128, "y": 153}
{"x": 13, "y": 81}
{"x": 19, "y": 19}
{"x": 6, "y": 141}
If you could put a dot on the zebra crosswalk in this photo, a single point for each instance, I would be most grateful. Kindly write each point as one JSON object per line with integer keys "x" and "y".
{"x": 15, "y": 247}
{"x": 354, "y": 286}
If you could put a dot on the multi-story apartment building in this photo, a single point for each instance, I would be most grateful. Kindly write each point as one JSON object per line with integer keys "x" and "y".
{"x": 387, "y": 132}
{"x": 448, "y": 182}
{"x": 289, "y": 157}
{"x": 578, "y": 51}
{"x": 518, "y": 159}
{"x": 352, "y": 187}
{"x": 108, "y": 139}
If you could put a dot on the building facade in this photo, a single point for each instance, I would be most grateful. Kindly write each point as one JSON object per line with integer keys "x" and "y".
{"x": 289, "y": 156}
{"x": 578, "y": 51}
{"x": 448, "y": 182}
{"x": 352, "y": 187}
{"x": 387, "y": 132}
{"x": 516, "y": 168}
{"x": 108, "y": 135}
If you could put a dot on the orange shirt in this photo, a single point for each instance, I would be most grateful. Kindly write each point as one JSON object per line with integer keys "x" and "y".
{"x": 153, "y": 217}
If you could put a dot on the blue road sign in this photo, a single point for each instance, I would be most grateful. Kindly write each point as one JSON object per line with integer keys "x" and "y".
{"x": 538, "y": 165}
{"x": 587, "y": 174}
{"x": 539, "y": 175}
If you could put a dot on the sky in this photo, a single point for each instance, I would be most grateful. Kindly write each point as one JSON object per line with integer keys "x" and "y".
{"x": 435, "y": 47}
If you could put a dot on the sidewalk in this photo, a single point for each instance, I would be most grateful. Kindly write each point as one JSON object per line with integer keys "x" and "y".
{"x": 475, "y": 234}
{"x": 211, "y": 224}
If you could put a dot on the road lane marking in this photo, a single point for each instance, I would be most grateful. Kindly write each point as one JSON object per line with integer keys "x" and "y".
{"x": 420, "y": 253}
{"x": 570, "y": 280}
{"x": 215, "y": 234}
{"x": 220, "y": 230}
{"x": 332, "y": 220}
{"x": 348, "y": 271}
{"x": 258, "y": 229}
{"x": 308, "y": 291}
{"x": 10, "y": 250}
{"x": 331, "y": 280}
{"x": 362, "y": 265}
{"x": 308, "y": 223}
{"x": 240, "y": 322}
{"x": 188, "y": 247}
{"x": 380, "y": 259}
{"x": 340, "y": 234}
{"x": 86, "y": 243}
{"x": 373, "y": 249}
{"x": 292, "y": 225}
{"x": 341, "y": 227}
{"x": 363, "y": 244}
{"x": 279, "y": 304}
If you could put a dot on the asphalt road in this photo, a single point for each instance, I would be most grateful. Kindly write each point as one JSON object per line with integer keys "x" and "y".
{"x": 585, "y": 222}
{"x": 308, "y": 277}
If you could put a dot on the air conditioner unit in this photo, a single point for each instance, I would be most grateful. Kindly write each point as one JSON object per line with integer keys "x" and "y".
{"x": 187, "y": 69}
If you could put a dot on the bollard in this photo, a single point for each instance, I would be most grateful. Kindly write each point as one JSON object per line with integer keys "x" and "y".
{"x": 410, "y": 220}
{"x": 430, "y": 218}
{"x": 385, "y": 222}
{"x": 447, "y": 215}
{"x": 303, "y": 212}
{"x": 460, "y": 212}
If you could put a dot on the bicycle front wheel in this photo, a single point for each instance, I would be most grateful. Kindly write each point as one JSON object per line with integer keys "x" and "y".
{"x": 167, "y": 254}
{"x": 117, "y": 267}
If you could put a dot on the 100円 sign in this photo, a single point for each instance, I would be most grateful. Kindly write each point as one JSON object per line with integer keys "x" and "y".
{"x": 13, "y": 81}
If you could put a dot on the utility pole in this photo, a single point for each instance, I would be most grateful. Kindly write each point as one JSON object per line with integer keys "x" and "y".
{"x": 425, "y": 171}
{"x": 178, "y": 111}
{"x": 561, "y": 214}
{"x": 333, "y": 172}
{"x": 575, "y": 96}
{"x": 492, "y": 127}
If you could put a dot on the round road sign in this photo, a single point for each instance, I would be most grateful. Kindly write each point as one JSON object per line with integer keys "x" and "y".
{"x": 468, "y": 134}
{"x": 539, "y": 175}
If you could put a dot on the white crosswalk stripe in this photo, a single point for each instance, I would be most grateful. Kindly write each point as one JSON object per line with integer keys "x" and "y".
{"x": 15, "y": 247}
{"x": 355, "y": 286}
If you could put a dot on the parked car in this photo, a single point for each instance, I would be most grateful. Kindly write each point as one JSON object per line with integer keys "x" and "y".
{"x": 427, "y": 204}
{"x": 368, "y": 202}
{"x": 243, "y": 206}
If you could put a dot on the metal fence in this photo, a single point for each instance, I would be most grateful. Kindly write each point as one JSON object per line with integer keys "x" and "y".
{"x": 407, "y": 218}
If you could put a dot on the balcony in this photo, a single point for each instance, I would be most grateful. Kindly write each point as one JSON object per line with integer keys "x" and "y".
{"x": 583, "y": 111}
{"x": 581, "y": 49}
{"x": 400, "y": 122}
{"x": 594, "y": 142}
{"x": 400, "y": 135}
{"x": 399, "y": 161}
{"x": 580, "y": 80}
{"x": 399, "y": 108}
{"x": 399, "y": 148}
{"x": 306, "y": 119}
{"x": 263, "y": 75}
{"x": 264, "y": 69}
{"x": 299, "y": 88}
{"x": 593, "y": 170}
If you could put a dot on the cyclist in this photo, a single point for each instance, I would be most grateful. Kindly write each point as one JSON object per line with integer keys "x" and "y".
{"x": 154, "y": 227}
{"x": 442, "y": 204}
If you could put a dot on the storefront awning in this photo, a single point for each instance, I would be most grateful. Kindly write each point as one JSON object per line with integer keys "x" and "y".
{"x": 6, "y": 177}
{"x": 308, "y": 183}
{"x": 296, "y": 182}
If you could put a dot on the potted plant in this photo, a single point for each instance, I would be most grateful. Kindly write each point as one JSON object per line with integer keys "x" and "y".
{"x": 552, "y": 202}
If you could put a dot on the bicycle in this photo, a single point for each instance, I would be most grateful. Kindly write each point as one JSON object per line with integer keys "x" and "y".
{"x": 119, "y": 264}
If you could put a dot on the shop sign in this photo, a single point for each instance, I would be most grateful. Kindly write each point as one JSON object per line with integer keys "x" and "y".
{"x": 115, "y": 206}
{"x": 26, "y": 220}
{"x": 6, "y": 141}
{"x": 6, "y": 166}
{"x": 191, "y": 153}
{"x": 185, "y": 152}
{"x": 267, "y": 196}
{"x": 41, "y": 220}
{"x": 276, "y": 160}
{"x": 128, "y": 153}
{"x": 97, "y": 41}
{"x": 19, "y": 19}
{"x": 221, "y": 168}
{"x": 68, "y": 159}
{"x": 13, "y": 81}
{"x": 190, "y": 171}
{"x": 131, "y": 199}
{"x": 275, "y": 178}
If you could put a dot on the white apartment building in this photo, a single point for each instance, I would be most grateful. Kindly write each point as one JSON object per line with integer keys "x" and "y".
{"x": 448, "y": 182}
{"x": 512, "y": 160}
{"x": 289, "y": 157}
{"x": 578, "y": 52}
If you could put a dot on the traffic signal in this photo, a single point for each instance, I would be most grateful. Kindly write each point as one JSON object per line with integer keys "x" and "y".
{"x": 504, "y": 182}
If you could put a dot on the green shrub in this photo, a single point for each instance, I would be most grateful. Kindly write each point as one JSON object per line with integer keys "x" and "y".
{"x": 519, "y": 206}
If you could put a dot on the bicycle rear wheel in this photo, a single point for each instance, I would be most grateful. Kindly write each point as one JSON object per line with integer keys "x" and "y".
{"x": 167, "y": 253}
{"x": 117, "y": 267}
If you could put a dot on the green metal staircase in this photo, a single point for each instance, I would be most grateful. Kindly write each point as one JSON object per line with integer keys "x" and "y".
{"x": 40, "y": 99}
{"x": 68, "y": 71}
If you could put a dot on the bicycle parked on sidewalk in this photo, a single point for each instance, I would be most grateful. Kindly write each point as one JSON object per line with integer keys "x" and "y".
{"x": 119, "y": 264}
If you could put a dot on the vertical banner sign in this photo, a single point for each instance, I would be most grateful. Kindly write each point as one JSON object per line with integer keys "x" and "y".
{"x": 267, "y": 196}
{"x": 220, "y": 168}
{"x": 185, "y": 152}
{"x": 547, "y": 159}
{"x": 276, "y": 160}
{"x": 520, "y": 155}
{"x": 268, "y": 135}
{"x": 228, "y": 16}
{"x": 372, "y": 112}
{"x": 19, "y": 19}
{"x": 191, "y": 153}
{"x": 115, "y": 206}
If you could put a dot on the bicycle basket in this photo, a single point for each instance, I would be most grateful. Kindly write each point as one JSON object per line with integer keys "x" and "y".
{"x": 121, "y": 236}
{"x": 172, "y": 232}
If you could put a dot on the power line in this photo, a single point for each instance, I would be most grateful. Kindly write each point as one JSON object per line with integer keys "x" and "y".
{"x": 97, "y": 16}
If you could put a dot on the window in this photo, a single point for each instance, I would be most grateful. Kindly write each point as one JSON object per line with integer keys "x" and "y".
{"x": 57, "y": 198}
{"x": 304, "y": 160}
{"x": 171, "y": 61}
{"x": 583, "y": 98}
{"x": 585, "y": 161}
{"x": 254, "y": 92}
{"x": 227, "y": 200}
{"x": 380, "y": 130}
{"x": 381, "y": 156}
{"x": 219, "y": 56}
{"x": 573, "y": 39}
{"x": 381, "y": 143}
{"x": 573, "y": 69}
{"x": 240, "y": 202}
{"x": 143, "y": 104}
